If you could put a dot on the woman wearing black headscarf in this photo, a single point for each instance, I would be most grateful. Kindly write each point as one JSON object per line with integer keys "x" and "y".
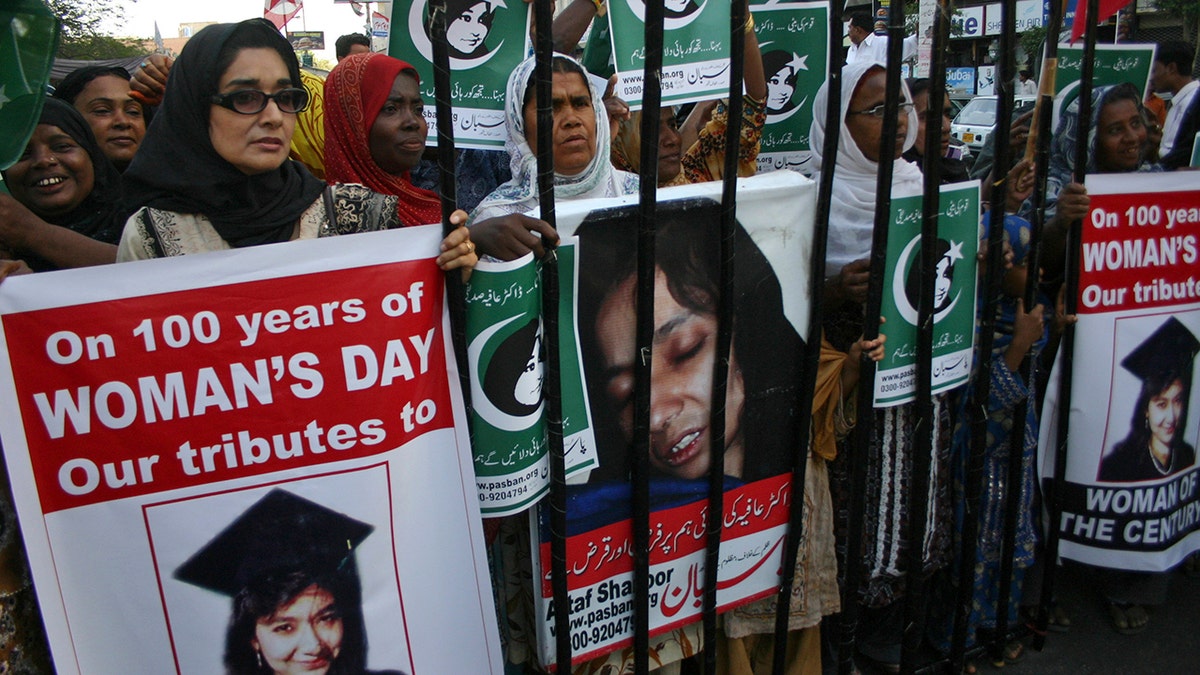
{"x": 64, "y": 208}
{"x": 103, "y": 96}
{"x": 214, "y": 172}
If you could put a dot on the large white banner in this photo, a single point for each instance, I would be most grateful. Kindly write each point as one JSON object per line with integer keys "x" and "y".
{"x": 204, "y": 449}
{"x": 1130, "y": 498}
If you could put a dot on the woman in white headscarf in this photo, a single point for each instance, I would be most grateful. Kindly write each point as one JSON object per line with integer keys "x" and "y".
{"x": 851, "y": 221}
{"x": 852, "y": 209}
{"x": 582, "y": 169}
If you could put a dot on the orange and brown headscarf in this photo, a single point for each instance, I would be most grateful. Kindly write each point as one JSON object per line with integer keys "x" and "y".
{"x": 355, "y": 92}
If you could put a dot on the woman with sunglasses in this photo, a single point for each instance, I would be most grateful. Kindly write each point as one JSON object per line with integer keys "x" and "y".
{"x": 215, "y": 174}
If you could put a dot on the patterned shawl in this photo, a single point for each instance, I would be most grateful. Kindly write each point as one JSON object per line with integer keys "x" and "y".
{"x": 520, "y": 195}
{"x": 1062, "y": 146}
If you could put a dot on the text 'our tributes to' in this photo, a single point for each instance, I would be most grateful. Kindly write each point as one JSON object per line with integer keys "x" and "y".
{"x": 183, "y": 416}
{"x": 1130, "y": 499}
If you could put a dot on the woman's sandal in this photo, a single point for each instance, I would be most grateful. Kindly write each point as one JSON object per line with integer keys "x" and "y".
{"x": 1128, "y": 619}
{"x": 1057, "y": 619}
{"x": 1014, "y": 652}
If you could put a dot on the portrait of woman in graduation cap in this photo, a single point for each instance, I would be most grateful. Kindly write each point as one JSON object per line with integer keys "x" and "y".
{"x": 289, "y": 566}
{"x": 1155, "y": 446}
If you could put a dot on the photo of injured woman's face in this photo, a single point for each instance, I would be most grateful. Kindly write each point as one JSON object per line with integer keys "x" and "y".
{"x": 760, "y": 379}
{"x": 684, "y": 350}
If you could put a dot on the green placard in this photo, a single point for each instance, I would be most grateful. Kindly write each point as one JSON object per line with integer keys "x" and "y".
{"x": 1115, "y": 64}
{"x": 506, "y": 355}
{"x": 695, "y": 50}
{"x": 28, "y": 42}
{"x": 794, "y": 40}
{"x": 954, "y": 294}
{"x": 487, "y": 39}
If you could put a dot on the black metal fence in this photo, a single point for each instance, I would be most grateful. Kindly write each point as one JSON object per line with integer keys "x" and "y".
{"x": 915, "y": 598}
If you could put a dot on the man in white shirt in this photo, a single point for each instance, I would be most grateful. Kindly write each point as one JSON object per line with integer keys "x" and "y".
{"x": 1026, "y": 85}
{"x": 1172, "y": 72}
{"x": 866, "y": 45}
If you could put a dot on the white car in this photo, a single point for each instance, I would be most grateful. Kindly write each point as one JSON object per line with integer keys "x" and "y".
{"x": 974, "y": 123}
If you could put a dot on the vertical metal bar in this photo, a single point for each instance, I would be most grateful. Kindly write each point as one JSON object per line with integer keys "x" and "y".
{"x": 1067, "y": 346}
{"x": 812, "y": 346}
{"x": 864, "y": 432}
{"x": 1008, "y": 26}
{"x": 647, "y": 212}
{"x": 543, "y": 12}
{"x": 447, "y": 191}
{"x": 716, "y": 469}
{"x": 923, "y": 441}
{"x": 1039, "y": 149}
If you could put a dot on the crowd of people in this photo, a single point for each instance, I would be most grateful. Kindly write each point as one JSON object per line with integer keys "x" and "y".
{"x": 201, "y": 154}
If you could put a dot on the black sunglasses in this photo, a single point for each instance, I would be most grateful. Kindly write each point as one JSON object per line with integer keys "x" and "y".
{"x": 253, "y": 101}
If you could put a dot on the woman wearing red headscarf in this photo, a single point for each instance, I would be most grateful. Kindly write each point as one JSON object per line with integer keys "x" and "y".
{"x": 375, "y": 131}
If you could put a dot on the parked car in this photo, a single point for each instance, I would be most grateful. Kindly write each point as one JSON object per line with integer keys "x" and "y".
{"x": 974, "y": 123}
{"x": 958, "y": 102}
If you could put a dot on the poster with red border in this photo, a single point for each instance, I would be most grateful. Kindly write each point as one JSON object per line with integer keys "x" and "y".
{"x": 1130, "y": 500}
{"x": 772, "y": 246}
{"x": 148, "y": 406}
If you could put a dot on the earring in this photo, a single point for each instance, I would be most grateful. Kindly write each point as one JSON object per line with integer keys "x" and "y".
{"x": 258, "y": 657}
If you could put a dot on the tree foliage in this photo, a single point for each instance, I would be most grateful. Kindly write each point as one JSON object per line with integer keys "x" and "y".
{"x": 1031, "y": 41}
{"x": 99, "y": 48}
{"x": 84, "y": 35}
{"x": 1188, "y": 12}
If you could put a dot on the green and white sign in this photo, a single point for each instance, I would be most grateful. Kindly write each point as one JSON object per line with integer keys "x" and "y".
{"x": 486, "y": 39}
{"x": 794, "y": 40}
{"x": 507, "y": 354}
{"x": 953, "y": 298}
{"x": 27, "y": 44}
{"x": 1115, "y": 64}
{"x": 695, "y": 50}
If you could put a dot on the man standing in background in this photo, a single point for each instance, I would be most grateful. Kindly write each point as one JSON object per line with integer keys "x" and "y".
{"x": 866, "y": 45}
{"x": 1172, "y": 73}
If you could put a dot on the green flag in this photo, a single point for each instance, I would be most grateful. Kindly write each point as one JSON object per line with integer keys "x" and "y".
{"x": 28, "y": 42}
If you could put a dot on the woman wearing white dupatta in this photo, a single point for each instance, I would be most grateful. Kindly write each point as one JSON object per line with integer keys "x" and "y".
{"x": 851, "y": 222}
{"x": 582, "y": 169}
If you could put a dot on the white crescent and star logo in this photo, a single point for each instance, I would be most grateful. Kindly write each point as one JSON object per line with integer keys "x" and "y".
{"x": 903, "y": 306}
{"x": 416, "y": 29}
{"x": 797, "y": 63}
{"x": 683, "y": 12}
{"x": 482, "y": 405}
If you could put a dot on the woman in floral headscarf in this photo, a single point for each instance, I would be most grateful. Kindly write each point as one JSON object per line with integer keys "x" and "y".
{"x": 581, "y": 134}
{"x": 581, "y": 160}
{"x": 1117, "y": 143}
